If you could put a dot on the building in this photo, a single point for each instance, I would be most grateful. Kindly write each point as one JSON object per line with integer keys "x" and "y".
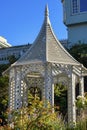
{"x": 75, "y": 18}
{"x": 4, "y": 43}
{"x": 16, "y": 51}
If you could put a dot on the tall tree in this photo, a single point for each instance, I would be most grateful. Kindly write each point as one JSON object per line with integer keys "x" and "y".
{"x": 79, "y": 52}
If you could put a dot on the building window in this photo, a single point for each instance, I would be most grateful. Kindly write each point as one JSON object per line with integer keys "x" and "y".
{"x": 79, "y": 6}
{"x": 83, "y": 5}
{"x": 74, "y": 6}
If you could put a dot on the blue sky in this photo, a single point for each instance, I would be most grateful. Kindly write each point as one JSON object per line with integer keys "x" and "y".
{"x": 21, "y": 20}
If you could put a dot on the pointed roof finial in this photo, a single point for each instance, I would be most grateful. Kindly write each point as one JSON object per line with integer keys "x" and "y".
{"x": 46, "y": 11}
{"x": 47, "y": 21}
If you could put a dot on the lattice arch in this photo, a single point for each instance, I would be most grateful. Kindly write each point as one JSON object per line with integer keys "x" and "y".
{"x": 62, "y": 78}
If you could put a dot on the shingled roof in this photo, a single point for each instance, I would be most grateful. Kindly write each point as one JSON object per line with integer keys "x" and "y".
{"x": 46, "y": 47}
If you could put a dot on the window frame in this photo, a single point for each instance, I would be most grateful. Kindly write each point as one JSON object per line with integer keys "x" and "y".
{"x": 74, "y": 6}
{"x": 77, "y": 8}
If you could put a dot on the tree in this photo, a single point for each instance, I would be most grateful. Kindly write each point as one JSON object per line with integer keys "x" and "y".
{"x": 4, "y": 83}
{"x": 3, "y": 98}
{"x": 3, "y": 67}
{"x": 79, "y": 52}
{"x": 12, "y": 59}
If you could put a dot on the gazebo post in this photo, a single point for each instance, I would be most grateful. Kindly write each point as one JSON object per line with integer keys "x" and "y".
{"x": 81, "y": 92}
{"x": 81, "y": 86}
{"x": 12, "y": 88}
{"x": 52, "y": 98}
{"x": 49, "y": 87}
{"x": 71, "y": 100}
{"x": 18, "y": 101}
{"x": 24, "y": 94}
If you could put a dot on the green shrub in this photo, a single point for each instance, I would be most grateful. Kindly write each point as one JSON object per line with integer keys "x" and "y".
{"x": 36, "y": 117}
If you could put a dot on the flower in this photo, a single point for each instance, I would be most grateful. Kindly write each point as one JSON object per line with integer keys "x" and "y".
{"x": 79, "y": 97}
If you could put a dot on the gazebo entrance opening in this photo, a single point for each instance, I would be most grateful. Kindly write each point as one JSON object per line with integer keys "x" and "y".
{"x": 35, "y": 81}
{"x": 60, "y": 99}
{"x": 35, "y": 92}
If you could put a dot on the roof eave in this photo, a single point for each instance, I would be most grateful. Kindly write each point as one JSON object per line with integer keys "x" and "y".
{"x": 77, "y": 64}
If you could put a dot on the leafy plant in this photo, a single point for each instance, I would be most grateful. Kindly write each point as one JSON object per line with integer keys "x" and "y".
{"x": 79, "y": 51}
{"x": 60, "y": 96}
{"x": 36, "y": 117}
{"x": 3, "y": 98}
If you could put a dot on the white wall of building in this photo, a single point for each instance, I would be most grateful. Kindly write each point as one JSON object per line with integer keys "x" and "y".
{"x": 77, "y": 34}
{"x": 75, "y": 18}
{"x": 4, "y": 43}
{"x": 17, "y": 51}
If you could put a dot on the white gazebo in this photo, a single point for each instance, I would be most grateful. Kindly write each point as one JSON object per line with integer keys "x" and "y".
{"x": 43, "y": 65}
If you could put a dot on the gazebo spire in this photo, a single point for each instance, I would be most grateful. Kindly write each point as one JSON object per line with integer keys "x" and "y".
{"x": 47, "y": 15}
{"x": 46, "y": 11}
